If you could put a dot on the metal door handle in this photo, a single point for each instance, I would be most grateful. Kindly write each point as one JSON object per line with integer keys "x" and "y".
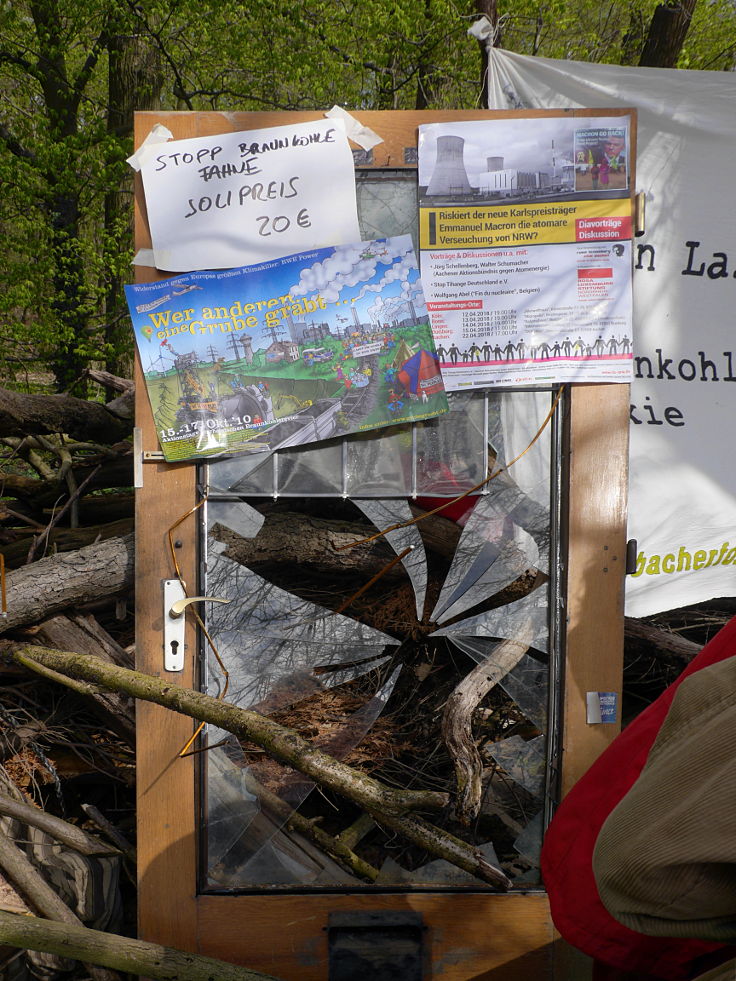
{"x": 177, "y": 609}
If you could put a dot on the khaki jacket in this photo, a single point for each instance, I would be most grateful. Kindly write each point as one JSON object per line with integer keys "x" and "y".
{"x": 665, "y": 859}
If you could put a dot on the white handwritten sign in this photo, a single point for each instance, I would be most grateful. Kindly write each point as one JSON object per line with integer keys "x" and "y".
{"x": 238, "y": 198}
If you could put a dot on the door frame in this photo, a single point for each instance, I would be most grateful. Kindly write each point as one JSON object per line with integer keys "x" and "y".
{"x": 469, "y": 935}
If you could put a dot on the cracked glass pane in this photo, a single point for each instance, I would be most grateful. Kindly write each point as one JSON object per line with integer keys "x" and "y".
{"x": 452, "y": 458}
{"x": 329, "y": 633}
{"x": 388, "y": 206}
{"x": 523, "y": 760}
{"x": 251, "y": 798}
{"x": 406, "y": 542}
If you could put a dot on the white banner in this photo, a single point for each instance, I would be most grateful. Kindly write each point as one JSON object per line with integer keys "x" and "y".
{"x": 682, "y": 497}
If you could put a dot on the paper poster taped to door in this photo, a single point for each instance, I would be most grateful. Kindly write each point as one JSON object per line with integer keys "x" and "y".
{"x": 287, "y": 352}
{"x": 234, "y": 199}
{"x": 525, "y": 237}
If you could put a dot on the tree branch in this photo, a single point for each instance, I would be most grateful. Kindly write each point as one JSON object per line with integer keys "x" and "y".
{"x": 120, "y": 953}
{"x": 388, "y": 805}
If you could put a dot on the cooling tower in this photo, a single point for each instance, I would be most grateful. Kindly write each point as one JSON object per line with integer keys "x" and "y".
{"x": 449, "y": 175}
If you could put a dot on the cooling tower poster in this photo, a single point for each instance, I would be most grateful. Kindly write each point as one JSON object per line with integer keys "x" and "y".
{"x": 525, "y": 238}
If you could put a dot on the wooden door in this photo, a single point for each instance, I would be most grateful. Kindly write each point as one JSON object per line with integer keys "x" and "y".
{"x": 467, "y": 933}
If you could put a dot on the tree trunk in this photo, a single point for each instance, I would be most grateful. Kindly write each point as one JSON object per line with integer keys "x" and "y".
{"x": 51, "y": 585}
{"x": 489, "y": 9}
{"x": 26, "y": 415}
{"x": 135, "y": 79}
{"x": 667, "y": 32}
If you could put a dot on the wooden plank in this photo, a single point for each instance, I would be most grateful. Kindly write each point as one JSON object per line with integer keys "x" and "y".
{"x": 596, "y": 566}
{"x": 494, "y": 938}
{"x": 166, "y": 804}
{"x": 398, "y": 129}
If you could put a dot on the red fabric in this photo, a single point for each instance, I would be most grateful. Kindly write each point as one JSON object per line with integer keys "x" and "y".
{"x": 567, "y": 852}
{"x": 454, "y": 511}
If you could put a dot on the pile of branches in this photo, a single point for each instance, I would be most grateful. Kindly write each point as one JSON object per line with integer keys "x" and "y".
{"x": 66, "y": 468}
{"x": 66, "y": 534}
{"x": 67, "y": 764}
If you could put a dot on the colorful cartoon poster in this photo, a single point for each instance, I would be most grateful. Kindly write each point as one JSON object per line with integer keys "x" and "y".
{"x": 289, "y": 351}
{"x": 215, "y": 202}
{"x": 525, "y": 239}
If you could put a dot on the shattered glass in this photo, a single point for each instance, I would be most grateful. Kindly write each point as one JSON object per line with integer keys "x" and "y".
{"x": 357, "y": 640}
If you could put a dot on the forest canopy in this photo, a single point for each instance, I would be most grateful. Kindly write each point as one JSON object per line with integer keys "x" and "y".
{"x": 71, "y": 76}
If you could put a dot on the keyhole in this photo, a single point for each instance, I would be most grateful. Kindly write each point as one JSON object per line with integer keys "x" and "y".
{"x": 174, "y": 647}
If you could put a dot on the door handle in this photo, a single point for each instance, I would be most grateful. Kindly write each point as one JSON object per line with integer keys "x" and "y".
{"x": 175, "y": 603}
{"x": 177, "y": 609}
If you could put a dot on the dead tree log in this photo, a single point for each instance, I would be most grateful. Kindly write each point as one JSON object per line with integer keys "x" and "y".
{"x": 64, "y": 540}
{"x": 386, "y": 804}
{"x": 26, "y": 415}
{"x": 319, "y": 541}
{"x": 663, "y": 643}
{"x": 124, "y": 385}
{"x": 119, "y": 953}
{"x": 46, "y": 587}
{"x": 86, "y": 636}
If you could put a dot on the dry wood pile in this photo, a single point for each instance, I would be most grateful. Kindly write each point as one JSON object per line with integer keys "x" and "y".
{"x": 66, "y": 535}
{"x": 66, "y": 522}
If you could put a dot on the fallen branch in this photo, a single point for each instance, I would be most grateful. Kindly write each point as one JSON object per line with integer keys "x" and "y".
{"x": 445, "y": 845}
{"x": 117, "y": 471}
{"x": 281, "y": 743}
{"x": 68, "y": 834}
{"x": 388, "y": 805}
{"x": 124, "y": 385}
{"x": 457, "y": 730}
{"x": 71, "y": 500}
{"x": 36, "y": 891}
{"x": 335, "y": 847}
{"x": 120, "y": 953}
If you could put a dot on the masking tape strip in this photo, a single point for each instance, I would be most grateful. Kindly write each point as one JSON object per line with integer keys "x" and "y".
{"x": 144, "y": 257}
{"x": 354, "y": 129}
{"x": 159, "y": 134}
